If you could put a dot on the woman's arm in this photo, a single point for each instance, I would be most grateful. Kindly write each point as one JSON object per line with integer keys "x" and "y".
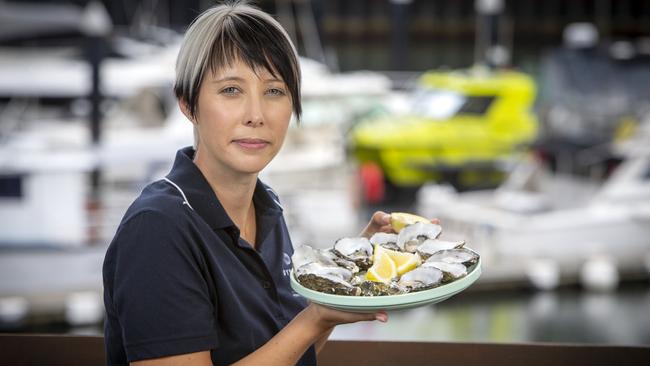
{"x": 320, "y": 343}
{"x": 310, "y": 326}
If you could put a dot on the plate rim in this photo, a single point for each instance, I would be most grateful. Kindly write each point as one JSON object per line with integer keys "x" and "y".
{"x": 402, "y": 300}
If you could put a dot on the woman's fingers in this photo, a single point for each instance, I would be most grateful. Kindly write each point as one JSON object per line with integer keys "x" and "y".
{"x": 382, "y": 316}
{"x": 348, "y": 317}
{"x": 380, "y": 218}
{"x": 386, "y": 229}
{"x": 331, "y": 317}
{"x": 378, "y": 222}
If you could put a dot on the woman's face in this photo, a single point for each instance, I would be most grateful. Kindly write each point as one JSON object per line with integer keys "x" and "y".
{"x": 242, "y": 118}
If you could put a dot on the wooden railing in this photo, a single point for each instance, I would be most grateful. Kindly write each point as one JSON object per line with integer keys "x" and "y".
{"x": 19, "y": 349}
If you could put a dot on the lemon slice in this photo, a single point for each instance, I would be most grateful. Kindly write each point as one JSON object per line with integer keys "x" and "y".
{"x": 378, "y": 249}
{"x": 399, "y": 220}
{"x": 404, "y": 262}
{"x": 383, "y": 269}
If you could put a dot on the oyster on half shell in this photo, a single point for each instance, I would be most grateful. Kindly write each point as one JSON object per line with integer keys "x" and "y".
{"x": 327, "y": 279}
{"x": 421, "y": 278}
{"x": 385, "y": 240}
{"x": 431, "y": 246}
{"x": 358, "y": 250}
{"x": 462, "y": 255}
{"x": 413, "y": 235}
{"x": 304, "y": 254}
{"x": 371, "y": 288}
{"x": 341, "y": 262}
{"x": 450, "y": 271}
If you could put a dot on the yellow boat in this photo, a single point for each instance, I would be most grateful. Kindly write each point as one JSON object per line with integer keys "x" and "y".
{"x": 462, "y": 125}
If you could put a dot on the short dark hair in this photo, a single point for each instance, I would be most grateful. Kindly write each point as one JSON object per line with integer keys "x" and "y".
{"x": 229, "y": 32}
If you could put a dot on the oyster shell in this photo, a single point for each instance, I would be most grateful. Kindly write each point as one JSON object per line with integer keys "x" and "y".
{"x": 327, "y": 279}
{"x": 462, "y": 255}
{"x": 450, "y": 271}
{"x": 358, "y": 279}
{"x": 430, "y": 246}
{"x": 370, "y": 288}
{"x": 413, "y": 235}
{"x": 421, "y": 278}
{"x": 357, "y": 250}
{"x": 386, "y": 240}
{"x": 349, "y": 265}
{"x": 304, "y": 254}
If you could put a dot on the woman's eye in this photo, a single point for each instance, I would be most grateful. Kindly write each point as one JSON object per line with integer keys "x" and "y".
{"x": 275, "y": 91}
{"x": 231, "y": 90}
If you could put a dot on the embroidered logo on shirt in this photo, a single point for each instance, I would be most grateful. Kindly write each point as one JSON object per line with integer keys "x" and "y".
{"x": 287, "y": 263}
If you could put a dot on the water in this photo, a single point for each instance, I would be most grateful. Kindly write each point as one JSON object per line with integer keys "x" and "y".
{"x": 568, "y": 315}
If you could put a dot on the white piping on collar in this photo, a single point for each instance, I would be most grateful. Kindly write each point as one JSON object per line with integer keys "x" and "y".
{"x": 185, "y": 201}
{"x": 273, "y": 197}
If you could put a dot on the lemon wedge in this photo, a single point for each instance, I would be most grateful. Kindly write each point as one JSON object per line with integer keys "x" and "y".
{"x": 383, "y": 268}
{"x": 376, "y": 253}
{"x": 404, "y": 262}
{"x": 399, "y": 220}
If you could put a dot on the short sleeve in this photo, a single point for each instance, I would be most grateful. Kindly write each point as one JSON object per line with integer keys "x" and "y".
{"x": 158, "y": 292}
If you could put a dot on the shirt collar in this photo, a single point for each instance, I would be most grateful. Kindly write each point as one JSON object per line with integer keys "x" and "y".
{"x": 191, "y": 181}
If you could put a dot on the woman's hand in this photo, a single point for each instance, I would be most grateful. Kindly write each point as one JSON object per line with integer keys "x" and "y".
{"x": 380, "y": 222}
{"x": 325, "y": 318}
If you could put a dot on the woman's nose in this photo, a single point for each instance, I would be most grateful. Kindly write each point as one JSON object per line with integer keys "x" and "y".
{"x": 254, "y": 115}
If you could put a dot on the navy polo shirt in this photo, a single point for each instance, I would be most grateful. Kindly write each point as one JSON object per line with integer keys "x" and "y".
{"x": 178, "y": 278}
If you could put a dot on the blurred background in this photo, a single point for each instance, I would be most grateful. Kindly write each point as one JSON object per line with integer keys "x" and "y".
{"x": 523, "y": 125}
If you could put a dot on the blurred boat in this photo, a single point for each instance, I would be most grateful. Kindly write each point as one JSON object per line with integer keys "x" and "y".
{"x": 463, "y": 128}
{"x": 548, "y": 229}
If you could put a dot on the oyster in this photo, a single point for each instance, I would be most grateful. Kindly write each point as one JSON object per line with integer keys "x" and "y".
{"x": 421, "y": 278}
{"x": 358, "y": 279}
{"x": 371, "y": 288}
{"x": 386, "y": 240}
{"x": 327, "y": 279}
{"x": 349, "y": 265}
{"x": 430, "y": 246}
{"x": 462, "y": 255}
{"x": 413, "y": 235}
{"x": 450, "y": 271}
{"x": 357, "y": 250}
{"x": 304, "y": 254}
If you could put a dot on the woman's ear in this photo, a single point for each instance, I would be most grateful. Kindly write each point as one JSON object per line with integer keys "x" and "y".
{"x": 182, "y": 104}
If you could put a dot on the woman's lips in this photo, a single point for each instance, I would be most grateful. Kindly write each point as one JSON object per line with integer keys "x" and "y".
{"x": 251, "y": 144}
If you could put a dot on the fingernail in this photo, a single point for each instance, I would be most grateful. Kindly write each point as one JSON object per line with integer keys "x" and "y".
{"x": 382, "y": 318}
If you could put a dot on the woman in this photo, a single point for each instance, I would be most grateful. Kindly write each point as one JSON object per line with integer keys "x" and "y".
{"x": 197, "y": 273}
